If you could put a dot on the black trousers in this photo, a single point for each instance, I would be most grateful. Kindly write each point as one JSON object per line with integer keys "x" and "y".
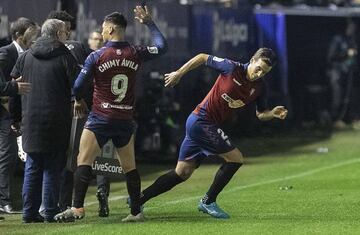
{"x": 103, "y": 184}
{"x": 8, "y": 155}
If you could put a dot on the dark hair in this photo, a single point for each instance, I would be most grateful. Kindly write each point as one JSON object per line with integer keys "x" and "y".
{"x": 267, "y": 55}
{"x": 117, "y": 19}
{"x": 19, "y": 27}
{"x": 60, "y": 15}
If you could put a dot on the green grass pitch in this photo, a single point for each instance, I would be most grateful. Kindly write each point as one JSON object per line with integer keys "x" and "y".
{"x": 324, "y": 199}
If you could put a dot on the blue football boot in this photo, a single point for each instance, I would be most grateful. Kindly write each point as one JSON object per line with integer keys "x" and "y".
{"x": 213, "y": 210}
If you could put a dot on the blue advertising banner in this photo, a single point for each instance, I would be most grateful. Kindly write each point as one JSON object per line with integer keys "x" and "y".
{"x": 272, "y": 33}
{"x": 223, "y": 32}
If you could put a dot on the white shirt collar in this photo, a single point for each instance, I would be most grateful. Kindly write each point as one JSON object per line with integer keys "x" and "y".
{"x": 18, "y": 48}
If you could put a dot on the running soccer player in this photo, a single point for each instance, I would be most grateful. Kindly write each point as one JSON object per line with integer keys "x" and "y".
{"x": 114, "y": 68}
{"x": 237, "y": 86}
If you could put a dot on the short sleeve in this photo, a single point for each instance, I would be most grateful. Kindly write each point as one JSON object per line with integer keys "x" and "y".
{"x": 224, "y": 66}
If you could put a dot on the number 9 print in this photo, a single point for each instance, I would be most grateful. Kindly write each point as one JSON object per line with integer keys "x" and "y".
{"x": 119, "y": 85}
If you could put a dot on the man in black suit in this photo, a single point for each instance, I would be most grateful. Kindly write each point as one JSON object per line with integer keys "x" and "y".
{"x": 8, "y": 144}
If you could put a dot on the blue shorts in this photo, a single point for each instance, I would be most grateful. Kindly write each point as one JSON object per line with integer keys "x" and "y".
{"x": 203, "y": 138}
{"x": 119, "y": 131}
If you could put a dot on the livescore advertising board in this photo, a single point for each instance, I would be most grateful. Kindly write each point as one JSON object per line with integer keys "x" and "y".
{"x": 106, "y": 164}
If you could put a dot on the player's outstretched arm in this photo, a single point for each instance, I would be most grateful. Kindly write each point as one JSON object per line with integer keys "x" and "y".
{"x": 142, "y": 14}
{"x": 279, "y": 112}
{"x": 171, "y": 79}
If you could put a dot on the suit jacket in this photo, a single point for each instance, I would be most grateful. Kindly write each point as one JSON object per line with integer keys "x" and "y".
{"x": 8, "y": 57}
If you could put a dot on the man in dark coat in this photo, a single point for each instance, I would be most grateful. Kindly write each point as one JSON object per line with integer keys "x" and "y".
{"x": 8, "y": 144}
{"x": 51, "y": 69}
{"x": 80, "y": 52}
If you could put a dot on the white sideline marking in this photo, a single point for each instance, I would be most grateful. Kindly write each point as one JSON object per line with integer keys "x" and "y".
{"x": 110, "y": 199}
{"x": 303, "y": 174}
{"x": 300, "y": 175}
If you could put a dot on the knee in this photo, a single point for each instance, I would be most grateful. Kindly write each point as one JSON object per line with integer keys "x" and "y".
{"x": 184, "y": 173}
{"x": 83, "y": 159}
{"x": 235, "y": 157}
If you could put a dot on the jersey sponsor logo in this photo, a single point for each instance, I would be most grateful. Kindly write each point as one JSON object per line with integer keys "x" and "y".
{"x": 115, "y": 106}
{"x": 224, "y": 136}
{"x": 237, "y": 82}
{"x": 234, "y": 104}
{"x": 117, "y": 63}
{"x": 153, "y": 50}
{"x": 217, "y": 59}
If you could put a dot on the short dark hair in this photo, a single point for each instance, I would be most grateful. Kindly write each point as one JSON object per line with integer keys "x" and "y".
{"x": 19, "y": 27}
{"x": 60, "y": 15}
{"x": 267, "y": 55}
{"x": 117, "y": 19}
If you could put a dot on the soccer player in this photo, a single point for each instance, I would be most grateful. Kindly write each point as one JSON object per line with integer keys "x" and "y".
{"x": 114, "y": 68}
{"x": 237, "y": 86}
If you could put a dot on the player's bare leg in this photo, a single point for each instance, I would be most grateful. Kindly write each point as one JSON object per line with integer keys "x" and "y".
{"x": 233, "y": 161}
{"x": 88, "y": 150}
{"x": 126, "y": 156}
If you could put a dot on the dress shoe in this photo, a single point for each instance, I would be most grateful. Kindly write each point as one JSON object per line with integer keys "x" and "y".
{"x": 36, "y": 219}
{"x": 8, "y": 210}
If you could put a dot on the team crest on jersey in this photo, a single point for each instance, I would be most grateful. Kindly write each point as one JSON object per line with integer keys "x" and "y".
{"x": 118, "y": 52}
{"x": 153, "y": 50}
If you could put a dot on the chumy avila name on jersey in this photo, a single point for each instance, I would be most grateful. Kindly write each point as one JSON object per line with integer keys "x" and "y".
{"x": 118, "y": 62}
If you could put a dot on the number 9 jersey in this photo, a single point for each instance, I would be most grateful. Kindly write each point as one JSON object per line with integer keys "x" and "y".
{"x": 113, "y": 69}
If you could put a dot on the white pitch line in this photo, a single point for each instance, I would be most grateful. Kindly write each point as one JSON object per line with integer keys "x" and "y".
{"x": 110, "y": 199}
{"x": 300, "y": 175}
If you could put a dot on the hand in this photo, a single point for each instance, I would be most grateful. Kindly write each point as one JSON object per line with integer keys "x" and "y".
{"x": 23, "y": 87}
{"x": 142, "y": 14}
{"x": 80, "y": 109}
{"x": 171, "y": 79}
{"x": 279, "y": 112}
{"x": 16, "y": 129}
